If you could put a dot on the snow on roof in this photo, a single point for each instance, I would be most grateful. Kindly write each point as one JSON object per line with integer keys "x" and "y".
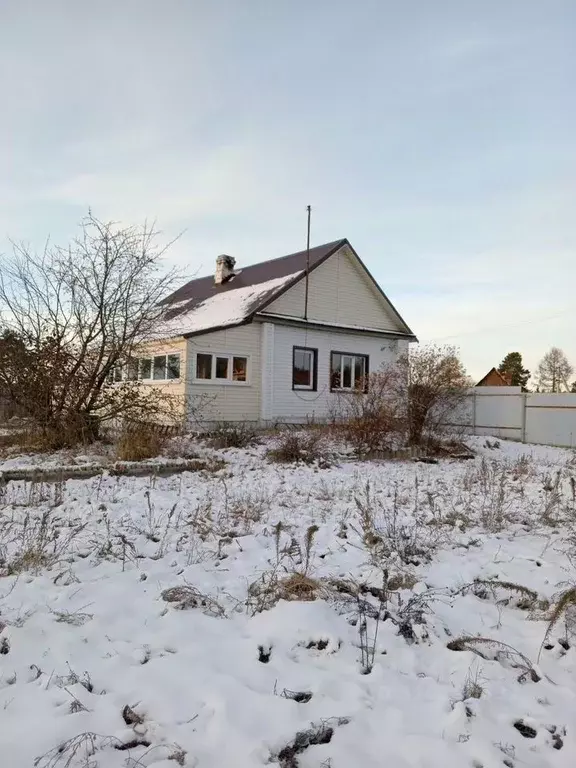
{"x": 223, "y": 309}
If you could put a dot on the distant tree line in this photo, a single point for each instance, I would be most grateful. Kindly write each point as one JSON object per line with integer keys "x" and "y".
{"x": 552, "y": 375}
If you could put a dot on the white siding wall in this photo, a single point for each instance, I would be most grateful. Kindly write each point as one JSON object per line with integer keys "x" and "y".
{"x": 339, "y": 292}
{"x": 227, "y": 402}
{"x": 298, "y": 406}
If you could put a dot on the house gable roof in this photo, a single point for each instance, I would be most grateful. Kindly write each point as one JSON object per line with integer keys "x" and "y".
{"x": 504, "y": 378}
{"x": 201, "y": 305}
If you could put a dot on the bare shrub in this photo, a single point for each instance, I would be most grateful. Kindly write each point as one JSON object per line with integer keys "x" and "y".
{"x": 308, "y": 447}
{"x": 233, "y": 434}
{"x": 433, "y": 383}
{"x": 372, "y": 421}
{"x": 138, "y": 442}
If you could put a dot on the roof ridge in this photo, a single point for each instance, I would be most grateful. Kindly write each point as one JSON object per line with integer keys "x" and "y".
{"x": 330, "y": 243}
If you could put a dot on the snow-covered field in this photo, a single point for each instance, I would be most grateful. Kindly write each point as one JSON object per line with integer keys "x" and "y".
{"x": 101, "y": 666}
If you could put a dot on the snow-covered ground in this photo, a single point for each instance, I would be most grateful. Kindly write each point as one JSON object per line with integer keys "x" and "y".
{"x": 96, "y": 655}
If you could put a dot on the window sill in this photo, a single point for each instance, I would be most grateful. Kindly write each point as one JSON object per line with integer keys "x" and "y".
{"x": 220, "y": 383}
{"x": 303, "y": 389}
{"x": 147, "y": 382}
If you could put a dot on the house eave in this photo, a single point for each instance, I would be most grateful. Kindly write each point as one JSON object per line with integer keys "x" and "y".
{"x": 337, "y": 327}
{"x": 214, "y": 328}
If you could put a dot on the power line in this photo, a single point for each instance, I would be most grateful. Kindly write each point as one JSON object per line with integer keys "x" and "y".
{"x": 499, "y": 327}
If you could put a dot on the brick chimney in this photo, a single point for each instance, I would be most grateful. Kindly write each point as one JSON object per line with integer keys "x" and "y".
{"x": 224, "y": 269}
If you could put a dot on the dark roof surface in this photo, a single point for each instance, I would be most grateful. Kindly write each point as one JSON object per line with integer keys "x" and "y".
{"x": 198, "y": 290}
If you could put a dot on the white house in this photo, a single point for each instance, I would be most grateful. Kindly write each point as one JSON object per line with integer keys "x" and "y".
{"x": 276, "y": 341}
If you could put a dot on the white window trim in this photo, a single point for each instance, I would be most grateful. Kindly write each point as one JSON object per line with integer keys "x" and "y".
{"x": 353, "y": 357}
{"x": 151, "y": 379}
{"x": 214, "y": 382}
{"x": 165, "y": 380}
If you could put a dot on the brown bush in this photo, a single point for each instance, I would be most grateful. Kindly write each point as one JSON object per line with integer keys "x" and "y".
{"x": 435, "y": 388}
{"x": 308, "y": 447}
{"x": 239, "y": 434}
{"x": 137, "y": 443}
{"x": 372, "y": 421}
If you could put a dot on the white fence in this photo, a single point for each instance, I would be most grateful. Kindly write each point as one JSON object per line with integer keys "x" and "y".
{"x": 548, "y": 419}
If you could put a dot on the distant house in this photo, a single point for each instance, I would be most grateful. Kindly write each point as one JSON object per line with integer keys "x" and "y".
{"x": 495, "y": 378}
{"x": 275, "y": 341}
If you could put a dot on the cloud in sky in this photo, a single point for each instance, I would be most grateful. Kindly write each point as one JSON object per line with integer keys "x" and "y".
{"x": 438, "y": 137}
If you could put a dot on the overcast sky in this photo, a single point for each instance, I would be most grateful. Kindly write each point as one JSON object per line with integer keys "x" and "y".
{"x": 439, "y": 137}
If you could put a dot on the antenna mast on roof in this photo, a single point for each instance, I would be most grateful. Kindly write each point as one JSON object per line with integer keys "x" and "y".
{"x": 309, "y": 209}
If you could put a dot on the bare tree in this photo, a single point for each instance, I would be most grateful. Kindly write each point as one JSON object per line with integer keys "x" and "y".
{"x": 436, "y": 387}
{"x": 554, "y": 370}
{"x": 70, "y": 316}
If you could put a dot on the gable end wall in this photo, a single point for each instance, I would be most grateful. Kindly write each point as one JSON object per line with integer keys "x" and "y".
{"x": 339, "y": 292}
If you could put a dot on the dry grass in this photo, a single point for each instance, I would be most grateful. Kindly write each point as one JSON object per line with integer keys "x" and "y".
{"x": 299, "y": 587}
{"x": 318, "y": 733}
{"x": 564, "y": 606}
{"x": 472, "y": 688}
{"x": 494, "y": 650}
{"x": 187, "y": 596}
{"x": 34, "y": 542}
{"x": 139, "y": 442}
{"x": 389, "y": 529}
{"x": 517, "y": 594}
{"x": 270, "y": 588}
{"x": 239, "y": 434}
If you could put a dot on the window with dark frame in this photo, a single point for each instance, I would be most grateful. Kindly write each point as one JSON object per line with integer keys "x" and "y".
{"x": 348, "y": 372}
{"x": 304, "y": 368}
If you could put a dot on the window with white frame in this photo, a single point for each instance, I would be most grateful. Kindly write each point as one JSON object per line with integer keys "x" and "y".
{"x": 160, "y": 367}
{"x": 304, "y": 368}
{"x": 348, "y": 372}
{"x": 157, "y": 368}
{"x": 221, "y": 368}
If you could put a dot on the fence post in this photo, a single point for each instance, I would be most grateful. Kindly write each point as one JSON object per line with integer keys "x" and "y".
{"x": 523, "y": 422}
{"x": 474, "y": 412}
